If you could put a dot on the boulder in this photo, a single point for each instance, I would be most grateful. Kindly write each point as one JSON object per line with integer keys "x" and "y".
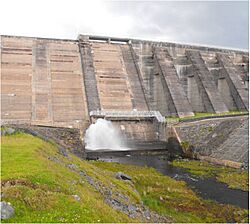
{"x": 122, "y": 176}
{"x": 72, "y": 166}
{"x": 10, "y": 131}
{"x": 7, "y": 131}
{"x": 7, "y": 211}
{"x": 76, "y": 197}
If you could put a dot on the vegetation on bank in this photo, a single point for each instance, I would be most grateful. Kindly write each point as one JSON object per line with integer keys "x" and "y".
{"x": 234, "y": 178}
{"x": 170, "y": 197}
{"x": 36, "y": 180}
{"x": 41, "y": 185}
{"x": 172, "y": 119}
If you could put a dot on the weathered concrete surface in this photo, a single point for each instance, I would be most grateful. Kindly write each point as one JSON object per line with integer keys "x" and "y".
{"x": 234, "y": 77}
{"x": 112, "y": 79}
{"x": 221, "y": 138}
{"x": 204, "y": 79}
{"x": 139, "y": 98}
{"x": 57, "y": 83}
{"x": 90, "y": 82}
{"x": 42, "y": 82}
{"x": 176, "y": 95}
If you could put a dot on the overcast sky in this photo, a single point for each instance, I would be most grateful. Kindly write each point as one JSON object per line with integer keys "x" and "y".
{"x": 216, "y": 23}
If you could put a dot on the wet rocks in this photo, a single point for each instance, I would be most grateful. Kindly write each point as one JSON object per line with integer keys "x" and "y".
{"x": 7, "y": 211}
{"x": 122, "y": 176}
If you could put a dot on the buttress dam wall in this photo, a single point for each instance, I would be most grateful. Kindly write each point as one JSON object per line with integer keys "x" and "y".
{"x": 53, "y": 82}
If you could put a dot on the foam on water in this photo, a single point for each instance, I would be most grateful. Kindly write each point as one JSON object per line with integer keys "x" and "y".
{"x": 103, "y": 136}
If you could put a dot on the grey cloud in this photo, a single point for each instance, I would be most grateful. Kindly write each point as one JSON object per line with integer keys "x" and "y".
{"x": 210, "y": 23}
{"x": 205, "y": 23}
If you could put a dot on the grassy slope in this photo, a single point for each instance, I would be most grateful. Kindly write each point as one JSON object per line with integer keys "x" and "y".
{"x": 25, "y": 157}
{"x": 234, "y": 178}
{"x": 170, "y": 197}
{"x": 43, "y": 188}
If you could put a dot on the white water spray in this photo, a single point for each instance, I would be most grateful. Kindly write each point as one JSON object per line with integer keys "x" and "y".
{"x": 103, "y": 135}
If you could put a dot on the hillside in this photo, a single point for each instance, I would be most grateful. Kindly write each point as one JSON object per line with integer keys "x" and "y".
{"x": 43, "y": 185}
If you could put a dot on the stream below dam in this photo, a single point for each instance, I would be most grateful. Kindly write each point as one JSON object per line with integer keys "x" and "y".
{"x": 207, "y": 188}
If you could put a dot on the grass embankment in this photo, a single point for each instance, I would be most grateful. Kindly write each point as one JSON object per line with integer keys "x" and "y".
{"x": 41, "y": 188}
{"x": 204, "y": 115}
{"x": 173, "y": 198}
{"x": 234, "y": 178}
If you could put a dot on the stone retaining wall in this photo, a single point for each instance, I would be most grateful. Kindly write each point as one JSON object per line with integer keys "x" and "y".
{"x": 222, "y": 138}
{"x": 66, "y": 138}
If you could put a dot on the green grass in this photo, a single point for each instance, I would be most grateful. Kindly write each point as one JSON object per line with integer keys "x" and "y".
{"x": 172, "y": 119}
{"x": 234, "y": 178}
{"x": 173, "y": 198}
{"x": 43, "y": 190}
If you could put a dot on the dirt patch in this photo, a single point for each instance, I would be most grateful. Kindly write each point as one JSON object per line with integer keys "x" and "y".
{"x": 13, "y": 182}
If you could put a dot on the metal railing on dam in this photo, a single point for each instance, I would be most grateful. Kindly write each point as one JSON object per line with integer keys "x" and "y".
{"x": 131, "y": 114}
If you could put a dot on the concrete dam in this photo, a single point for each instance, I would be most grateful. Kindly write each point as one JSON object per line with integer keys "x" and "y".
{"x": 134, "y": 83}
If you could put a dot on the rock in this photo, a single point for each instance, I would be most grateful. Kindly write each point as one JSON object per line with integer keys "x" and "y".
{"x": 122, "y": 176}
{"x": 90, "y": 180}
{"x": 73, "y": 182}
{"x": 116, "y": 204}
{"x": 146, "y": 214}
{"x": 244, "y": 166}
{"x": 63, "y": 151}
{"x": 7, "y": 211}
{"x": 10, "y": 131}
{"x": 76, "y": 197}
{"x": 82, "y": 173}
{"x": 72, "y": 166}
{"x": 214, "y": 135}
{"x": 3, "y": 132}
{"x": 123, "y": 196}
{"x": 131, "y": 208}
{"x": 7, "y": 131}
{"x": 54, "y": 159}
